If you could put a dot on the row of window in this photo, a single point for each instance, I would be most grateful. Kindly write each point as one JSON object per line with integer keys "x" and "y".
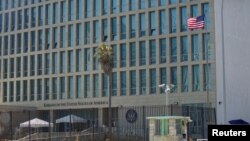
{"x": 157, "y": 23}
{"x": 8, "y": 4}
{"x": 80, "y": 87}
{"x": 137, "y": 53}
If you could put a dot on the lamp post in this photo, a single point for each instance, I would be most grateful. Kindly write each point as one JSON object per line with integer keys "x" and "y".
{"x": 167, "y": 90}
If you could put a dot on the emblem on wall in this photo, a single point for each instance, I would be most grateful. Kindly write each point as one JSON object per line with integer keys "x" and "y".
{"x": 131, "y": 115}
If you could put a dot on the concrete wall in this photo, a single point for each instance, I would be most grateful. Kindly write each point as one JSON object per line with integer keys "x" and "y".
{"x": 232, "y": 37}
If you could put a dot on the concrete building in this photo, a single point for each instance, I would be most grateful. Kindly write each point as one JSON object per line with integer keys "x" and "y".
{"x": 47, "y": 49}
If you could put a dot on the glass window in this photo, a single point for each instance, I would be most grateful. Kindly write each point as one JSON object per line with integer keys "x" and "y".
{"x": 96, "y": 8}
{"x": 39, "y": 64}
{"x": 11, "y": 91}
{"x": 79, "y": 4}
{"x": 105, "y": 30}
{"x": 70, "y": 36}
{"x": 123, "y": 83}
{"x": 163, "y": 51}
{"x": 123, "y": 55}
{"x": 79, "y": 32}
{"x": 47, "y": 39}
{"x": 105, "y": 7}
{"x": 1, "y": 21}
{"x": 173, "y": 50}
{"x": 206, "y": 77}
{"x": 6, "y": 45}
{"x": 143, "y": 82}
{"x": 104, "y": 85}
{"x": 32, "y": 65}
{"x": 123, "y": 4}
{"x": 47, "y": 63}
{"x": 55, "y": 13}
{"x": 163, "y": 22}
{"x": 172, "y": 20}
{"x": 195, "y": 48}
{"x": 18, "y": 67}
{"x": 32, "y": 90}
{"x": 78, "y": 86}
{"x": 142, "y": 53}
{"x": 79, "y": 60}
{"x": 152, "y": 23}
{"x": 46, "y": 88}
{"x": 194, "y": 10}
{"x": 184, "y": 79}
{"x": 25, "y": 90}
{"x": 173, "y": 78}
{"x": 205, "y": 11}
{"x": 96, "y": 85}
{"x": 25, "y": 42}
{"x": 62, "y": 62}
{"x": 87, "y": 59}
{"x": 183, "y": 18}
{"x": 48, "y": 14}
{"x": 96, "y": 32}
{"x": 152, "y": 81}
{"x": 6, "y": 23}
{"x": 87, "y": 33}
{"x": 142, "y": 24}
{"x": 54, "y": 63}
{"x": 132, "y": 53}
{"x": 19, "y": 43}
{"x": 206, "y": 50}
{"x": 5, "y": 91}
{"x": 71, "y": 10}
{"x": 63, "y": 37}
{"x": 132, "y": 5}
{"x": 172, "y": 1}
{"x": 142, "y": 4}
{"x": 70, "y": 87}
{"x": 13, "y": 21}
{"x": 196, "y": 78}
{"x": 114, "y": 83}
{"x": 86, "y": 86}
{"x": 184, "y": 49}
{"x": 63, "y": 11}
{"x": 70, "y": 61}
{"x": 40, "y": 40}
{"x": 5, "y": 69}
{"x": 12, "y": 44}
{"x": 40, "y": 15}
{"x": 54, "y": 88}
{"x": 114, "y": 6}
{"x": 151, "y": 3}
{"x": 123, "y": 28}
{"x": 0, "y": 47}
{"x": 32, "y": 41}
{"x": 95, "y": 60}
{"x": 55, "y": 37}
{"x": 39, "y": 89}
{"x": 133, "y": 24}
{"x": 18, "y": 88}
{"x": 152, "y": 53}
{"x": 19, "y": 19}
{"x": 163, "y": 77}
{"x": 133, "y": 82}
{"x": 62, "y": 88}
{"x": 114, "y": 49}
{"x": 162, "y": 2}
{"x": 87, "y": 8}
{"x": 182, "y": 1}
{"x": 113, "y": 29}
{"x": 12, "y": 67}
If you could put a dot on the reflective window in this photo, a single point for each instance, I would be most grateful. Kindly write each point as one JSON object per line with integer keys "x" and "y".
{"x": 47, "y": 63}
{"x": 142, "y": 4}
{"x": 25, "y": 90}
{"x": 79, "y": 32}
{"x": 152, "y": 78}
{"x": 96, "y": 7}
{"x": 87, "y": 33}
{"x": 6, "y": 23}
{"x": 184, "y": 78}
{"x": 96, "y": 32}
{"x": 114, "y": 83}
{"x": 114, "y": 49}
{"x": 70, "y": 36}
{"x": 11, "y": 91}
{"x": 173, "y": 50}
{"x": 19, "y": 19}
{"x": 133, "y": 5}
{"x": 163, "y": 22}
{"x": 143, "y": 82}
{"x": 48, "y": 14}
{"x": 196, "y": 78}
{"x": 206, "y": 50}
{"x": 70, "y": 61}
{"x": 39, "y": 89}
{"x": 71, "y": 10}
{"x": 62, "y": 37}
{"x": 96, "y": 85}
{"x": 5, "y": 91}
{"x": 47, "y": 39}
{"x": 104, "y": 85}
{"x": 162, "y": 2}
{"x": 55, "y": 37}
{"x": 163, "y": 51}
{"x": 39, "y": 64}
{"x": 123, "y": 4}
{"x": 46, "y": 88}
{"x": 6, "y": 45}
{"x": 13, "y": 21}
{"x": 78, "y": 60}
{"x": 152, "y": 53}
{"x": 78, "y": 86}
{"x": 62, "y": 88}
{"x": 151, "y": 3}
{"x": 114, "y": 6}
{"x": 172, "y": 20}
{"x": 18, "y": 88}
{"x": 123, "y": 84}
{"x": 70, "y": 87}
{"x": 142, "y": 53}
{"x": 62, "y": 62}
{"x": 163, "y": 77}
{"x": 87, "y": 8}
{"x": 12, "y": 44}
{"x": 54, "y": 88}
{"x": 194, "y": 10}
{"x": 105, "y": 7}
{"x": 207, "y": 77}
{"x": 40, "y": 40}
{"x": 152, "y": 23}
{"x": 32, "y": 65}
{"x": 195, "y": 47}
{"x": 173, "y": 78}
{"x": 95, "y": 60}
{"x": 183, "y": 18}
{"x": 63, "y": 11}
{"x": 123, "y": 55}
{"x": 133, "y": 82}
{"x": 79, "y": 9}
{"x": 32, "y": 90}
{"x": 12, "y": 68}
{"x": 142, "y": 24}
{"x": 132, "y": 54}
{"x": 123, "y": 29}
{"x": 19, "y": 43}
{"x": 87, "y": 59}
{"x": 18, "y": 67}
{"x": 86, "y": 86}
{"x": 40, "y": 15}
{"x": 5, "y": 68}
{"x": 184, "y": 49}
{"x": 54, "y": 63}
{"x": 114, "y": 29}
{"x": 1, "y": 22}
{"x": 33, "y": 16}
{"x": 205, "y": 11}
{"x": 55, "y": 13}
{"x": 105, "y": 30}
{"x": 25, "y": 42}
{"x": 172, "y": 1}
{"x": 132, "y": 22}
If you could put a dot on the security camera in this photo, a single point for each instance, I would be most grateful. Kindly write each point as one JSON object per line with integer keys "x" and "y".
{"x": 161, "y": 85}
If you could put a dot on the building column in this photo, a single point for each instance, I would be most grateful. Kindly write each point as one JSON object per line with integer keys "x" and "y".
{"x": 51, "y": 117}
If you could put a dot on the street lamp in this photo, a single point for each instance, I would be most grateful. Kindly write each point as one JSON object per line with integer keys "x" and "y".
{"x": 167, "y": 90}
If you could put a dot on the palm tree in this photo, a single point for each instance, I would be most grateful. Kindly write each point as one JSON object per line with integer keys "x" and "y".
{"x": 105, "y": 56}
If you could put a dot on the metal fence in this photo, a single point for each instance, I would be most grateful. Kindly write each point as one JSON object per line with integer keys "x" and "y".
{"x": 127, "y": 125}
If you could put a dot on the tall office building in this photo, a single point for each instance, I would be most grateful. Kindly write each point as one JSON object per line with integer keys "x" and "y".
{"x": 47, "y": 52}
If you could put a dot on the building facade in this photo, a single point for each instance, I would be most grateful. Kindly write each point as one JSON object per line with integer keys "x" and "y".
{"x": 47, "y": 53}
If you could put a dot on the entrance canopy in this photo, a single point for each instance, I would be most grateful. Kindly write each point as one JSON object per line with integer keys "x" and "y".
{"x": 36, "y": 123}
{"x": 71, "y": 119}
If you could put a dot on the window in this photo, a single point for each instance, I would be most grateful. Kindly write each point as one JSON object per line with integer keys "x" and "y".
{"x": 47, "y": 63}
{"x": 173, "y": 78}
{"x": 1, "y": 21}
{"x": 173, "y": 50}
{"x": 40, "y": 15}
{"x": 70, "y": 87}
{"x": 47, "y": 39}
{"x": 206, "y": 50}
{"x": 79, "y": 60}
{"x": 18, "y": 92}
{"x": 78, "y": 86}
{"x": 87, "y": 8}
{"x": 132, "y": 53}
{"x": 25, "y": 90}
{"x": 62, "y": 62}
{"x": 162, "y": 2}
{"x": 25, "y": 66}
{"x": 152, "y": 55}
{"x": 142, "y": 24}
{"x": 79, "y": 9}
{"x": 71, "y": 10}
{"x": 12, "y": 44}
{"x": 63, "y": 11}
{"x": 87, "y": 33}
{"x": 206, "y": 77}
{"x": 163, "y": 22}
{"x": 95, "y": 60}
{"x": 142, "y": 53}
{"x": 132, "y": 26}
{"x": 55, "y": 37}
{"x": 19, "y": 19}
{"x": 105, "y": 7}
{"x": 70, "y": 61}
{"x": 123, "y": 4}
{"x": 194, "y": 10}
{"x": 114, "y": 55}
{"x": 32, "y": 90}
{"x": 87, "y": 57}
{"x": 70, "y": 36}
{"x": 32, "y": 65}
{"x": 113, "y": 29}
{"x": 133, "y": 82}
{"x": 183, "y": 19}
{"x": 6, "y": 23}
{"x": 184, "y": 79}
{"x": 152, "y": 78}
{"x": 143, "y": 82}
{"x": 152, "y": 24}
{"x": 195, "y": 48}
{"x": 54, "y": 63}
{"x": 163, "y": 51}
{"x": 40, "y": 40}
{"x": 105, "y": 30}
{"x": 19, "y": 43}
{"x": 114, "y": 83}
{"x": 172, "y": 20}
{"x": 25, "y": 42}
{"x": 54, "y": 88}
{"x": 96, "y": 32}
{"x": 123, "y": 55}
{"x": 62, "y": 37}
{"x": 13, "y": 21}
{"x": 39, "y": 64}
{"x": 12, "y": 67}
{"x": 96, "y": 8}
{"x": 104, "y": 85}
{"x": 6, "y": 45}
{"x": 46, "y": 89}
{"x": 205, "y": 11}
{"x": 196, "y": 78}
{"x": 123, "y": 83}
{"x": 132, "y": 5}
{"x": 172, "y": 1}
{"x": 5, "y": 91}
{"x": 79, "y": 34}
{"x": 142, "y": 4}
{"x": 18, "y": 67}
{"x": 5, "y": 69}
{"x": 55, "y": 13}
{"x": 86, "y": 86}
{"x": 32, "y": 41}
{"x": 48, "y": 14}
{"x": 62, "y": 88}
{"x": 114, "y": 6}
{"x": 96, "y": 85}
{"x": 11, "y": 91}
{"x": 123, "y": 28}
{"x": 163, "y": 77}
{"x": 184, "y": 49}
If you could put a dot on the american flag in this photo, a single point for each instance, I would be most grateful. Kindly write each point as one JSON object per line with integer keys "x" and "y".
{"x": 196, "y": 22}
